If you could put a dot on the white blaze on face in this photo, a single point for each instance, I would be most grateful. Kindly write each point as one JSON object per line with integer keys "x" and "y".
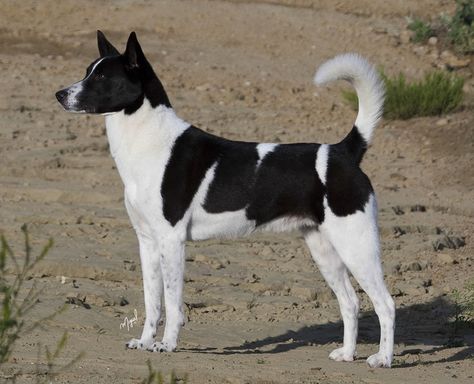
{"x": 74, "y": 90}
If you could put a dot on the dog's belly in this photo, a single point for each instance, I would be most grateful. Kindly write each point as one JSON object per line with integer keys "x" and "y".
{"x": 230, "y": 224}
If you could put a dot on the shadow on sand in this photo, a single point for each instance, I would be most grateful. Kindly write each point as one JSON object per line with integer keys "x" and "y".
{"x": 427, "y": 324}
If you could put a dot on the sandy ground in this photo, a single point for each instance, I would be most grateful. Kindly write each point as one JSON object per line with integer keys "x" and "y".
{"x": 258, "y": 310}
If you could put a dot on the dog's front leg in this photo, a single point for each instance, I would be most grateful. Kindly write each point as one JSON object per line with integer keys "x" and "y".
{"x": 172, "y": 268}
{"x": 153, "y": 290}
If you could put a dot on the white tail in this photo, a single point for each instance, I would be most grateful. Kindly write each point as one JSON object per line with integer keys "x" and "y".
{"x": 367, "y": 83}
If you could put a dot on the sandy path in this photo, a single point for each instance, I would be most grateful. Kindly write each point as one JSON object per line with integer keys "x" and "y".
{"x": 258, "y": 309}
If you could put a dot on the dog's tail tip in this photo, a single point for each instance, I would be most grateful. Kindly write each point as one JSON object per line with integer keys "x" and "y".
{"x": 367, "y": 83}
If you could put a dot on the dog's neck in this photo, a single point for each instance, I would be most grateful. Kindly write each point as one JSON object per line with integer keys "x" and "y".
{"x": 147, "y": 132}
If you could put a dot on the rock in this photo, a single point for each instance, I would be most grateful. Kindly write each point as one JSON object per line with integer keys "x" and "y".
{"x": 405, "y": 36}
{"x": 99, "y": 301}
{"x": 216, "y": 264}
{"x": 78, "y": 300}
{"x": 123, "y": 301}
{"x": 129, "y": 265}
{"x": 397, "y": 232}
{"x": 442, "y": 122}
{"x": 418, "y": 208}
{"x": 398, "y": 211}
{"x": 432, "y": 40}
{"x": 305, "y": 293}
{"x": 420, "y": 50}
{"x": 393, "y": 267}
{"x": 450, "y": 242}
{"x": 452, "y": 61}
{"x": 396, "y": 292}
{"x": 267, "y": 251}
{"x": 415, "y": 266}
{"x": 444, "y": 258}
{"x": 253, "y": 278}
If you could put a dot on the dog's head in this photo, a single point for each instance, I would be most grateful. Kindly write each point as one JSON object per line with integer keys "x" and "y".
{"x": 114, "y": 82}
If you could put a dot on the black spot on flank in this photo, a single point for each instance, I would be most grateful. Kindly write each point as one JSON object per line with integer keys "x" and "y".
{"x": 287, "y": 185}
{"x": 348, "y": 188}
{"x": 234, "y": 178}
{"x": 192, "y": 155}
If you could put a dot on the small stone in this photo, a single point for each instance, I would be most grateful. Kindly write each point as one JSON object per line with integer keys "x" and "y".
{"x": 405, "y": 36}
{"x": 420, "y": 50}
{"x": 415, "y": 266}
{"x": 267, "y": 251}
{"x": 444, "y": 258}
{"x": 418, "y": 208}
{"x": 393, "y": 267}
{"x": 398, "y": 211}
{"x": 433, "y": 40}
{"x": 442, "y": 122}
{"x": 123, "y": 301}
{"x": 305, "y": 293}
{"x": 452, "y": 61}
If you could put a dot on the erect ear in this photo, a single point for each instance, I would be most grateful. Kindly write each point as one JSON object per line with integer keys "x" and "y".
{"x": 134, "y": 53}
{"x": 105, "y": 48}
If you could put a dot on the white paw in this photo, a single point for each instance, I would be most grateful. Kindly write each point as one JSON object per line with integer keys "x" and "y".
{"x": 138, "y": 344}
{"x": 341, "y": 354}
{"x": 379, "y": 360}
{"x": 161, "y": 346}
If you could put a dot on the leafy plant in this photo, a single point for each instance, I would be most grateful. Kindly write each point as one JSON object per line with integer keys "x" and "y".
{"x": 436, "y": 94}
{"x": 422, "y": 31}
{"x": 16, "y": 304}
{"x": 461, "y": 26}
{"x": 463, "y": 315}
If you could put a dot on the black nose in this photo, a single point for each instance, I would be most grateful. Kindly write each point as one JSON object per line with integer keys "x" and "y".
{"x": 61, "y": 95}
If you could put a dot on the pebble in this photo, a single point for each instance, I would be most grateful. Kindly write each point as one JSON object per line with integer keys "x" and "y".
{"x": 398, "y": 211}
{"x": 444, "y": 258}
{"x": 305, "y": 293}
{"x": 450, "y": 242}
{"x": 442, "y": 122}
{"x": 405, "y": 36}
{"x": 433, "y": 40}
{"x": 452, "y": 61}
{"x": 418, "y": 208}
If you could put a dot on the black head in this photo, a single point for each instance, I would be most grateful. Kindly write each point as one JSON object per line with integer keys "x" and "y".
{"x": 115, "y": 82}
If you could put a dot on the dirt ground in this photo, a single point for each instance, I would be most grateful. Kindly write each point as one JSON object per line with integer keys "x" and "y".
{"x": 258, "y": 309}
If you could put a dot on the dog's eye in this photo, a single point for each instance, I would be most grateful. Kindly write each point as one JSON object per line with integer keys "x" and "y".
{"x": 99, "y": 76}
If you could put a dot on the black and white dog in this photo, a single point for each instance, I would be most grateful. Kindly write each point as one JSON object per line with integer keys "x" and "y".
{"x": 182, "y": 183}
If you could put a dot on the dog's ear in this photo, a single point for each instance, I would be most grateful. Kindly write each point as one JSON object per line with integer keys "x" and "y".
{"x": 134, "y": 53}
{"x": 105, "y": 48}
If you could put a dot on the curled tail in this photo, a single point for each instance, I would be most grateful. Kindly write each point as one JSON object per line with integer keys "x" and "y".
{"x": 367, "y": 83}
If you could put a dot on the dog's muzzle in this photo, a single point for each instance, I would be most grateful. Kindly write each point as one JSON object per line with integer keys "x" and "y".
{"x": 61, "y": 95}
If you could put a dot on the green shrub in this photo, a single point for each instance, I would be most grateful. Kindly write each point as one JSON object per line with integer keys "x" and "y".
{"x": 422, "y": 31}
{"x": 436, "y": 94}
{"x": 461, "y": 27}
{"x": 18, "y": 301}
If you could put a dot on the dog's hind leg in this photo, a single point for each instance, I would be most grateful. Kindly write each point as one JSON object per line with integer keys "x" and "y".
{"x": 335, "y": 273}
{"x": 171, "y": 249}
{"x": 153, "y": 290}
{"x": 356, "y": 240}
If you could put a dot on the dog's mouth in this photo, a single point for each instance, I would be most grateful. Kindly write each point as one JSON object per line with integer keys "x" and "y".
{"x": 64, "y": 98}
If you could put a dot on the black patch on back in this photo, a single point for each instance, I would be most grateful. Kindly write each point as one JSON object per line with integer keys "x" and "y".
{"x": 192, "y": 155}
{"x": 355, "y": 145}
{"x": 348, "y": 188}
{"x": 287, "y": 184}
{"x": 234, "y": 177}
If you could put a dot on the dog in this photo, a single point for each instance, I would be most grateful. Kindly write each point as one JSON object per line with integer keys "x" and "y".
{"x": 182, "y": 183}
